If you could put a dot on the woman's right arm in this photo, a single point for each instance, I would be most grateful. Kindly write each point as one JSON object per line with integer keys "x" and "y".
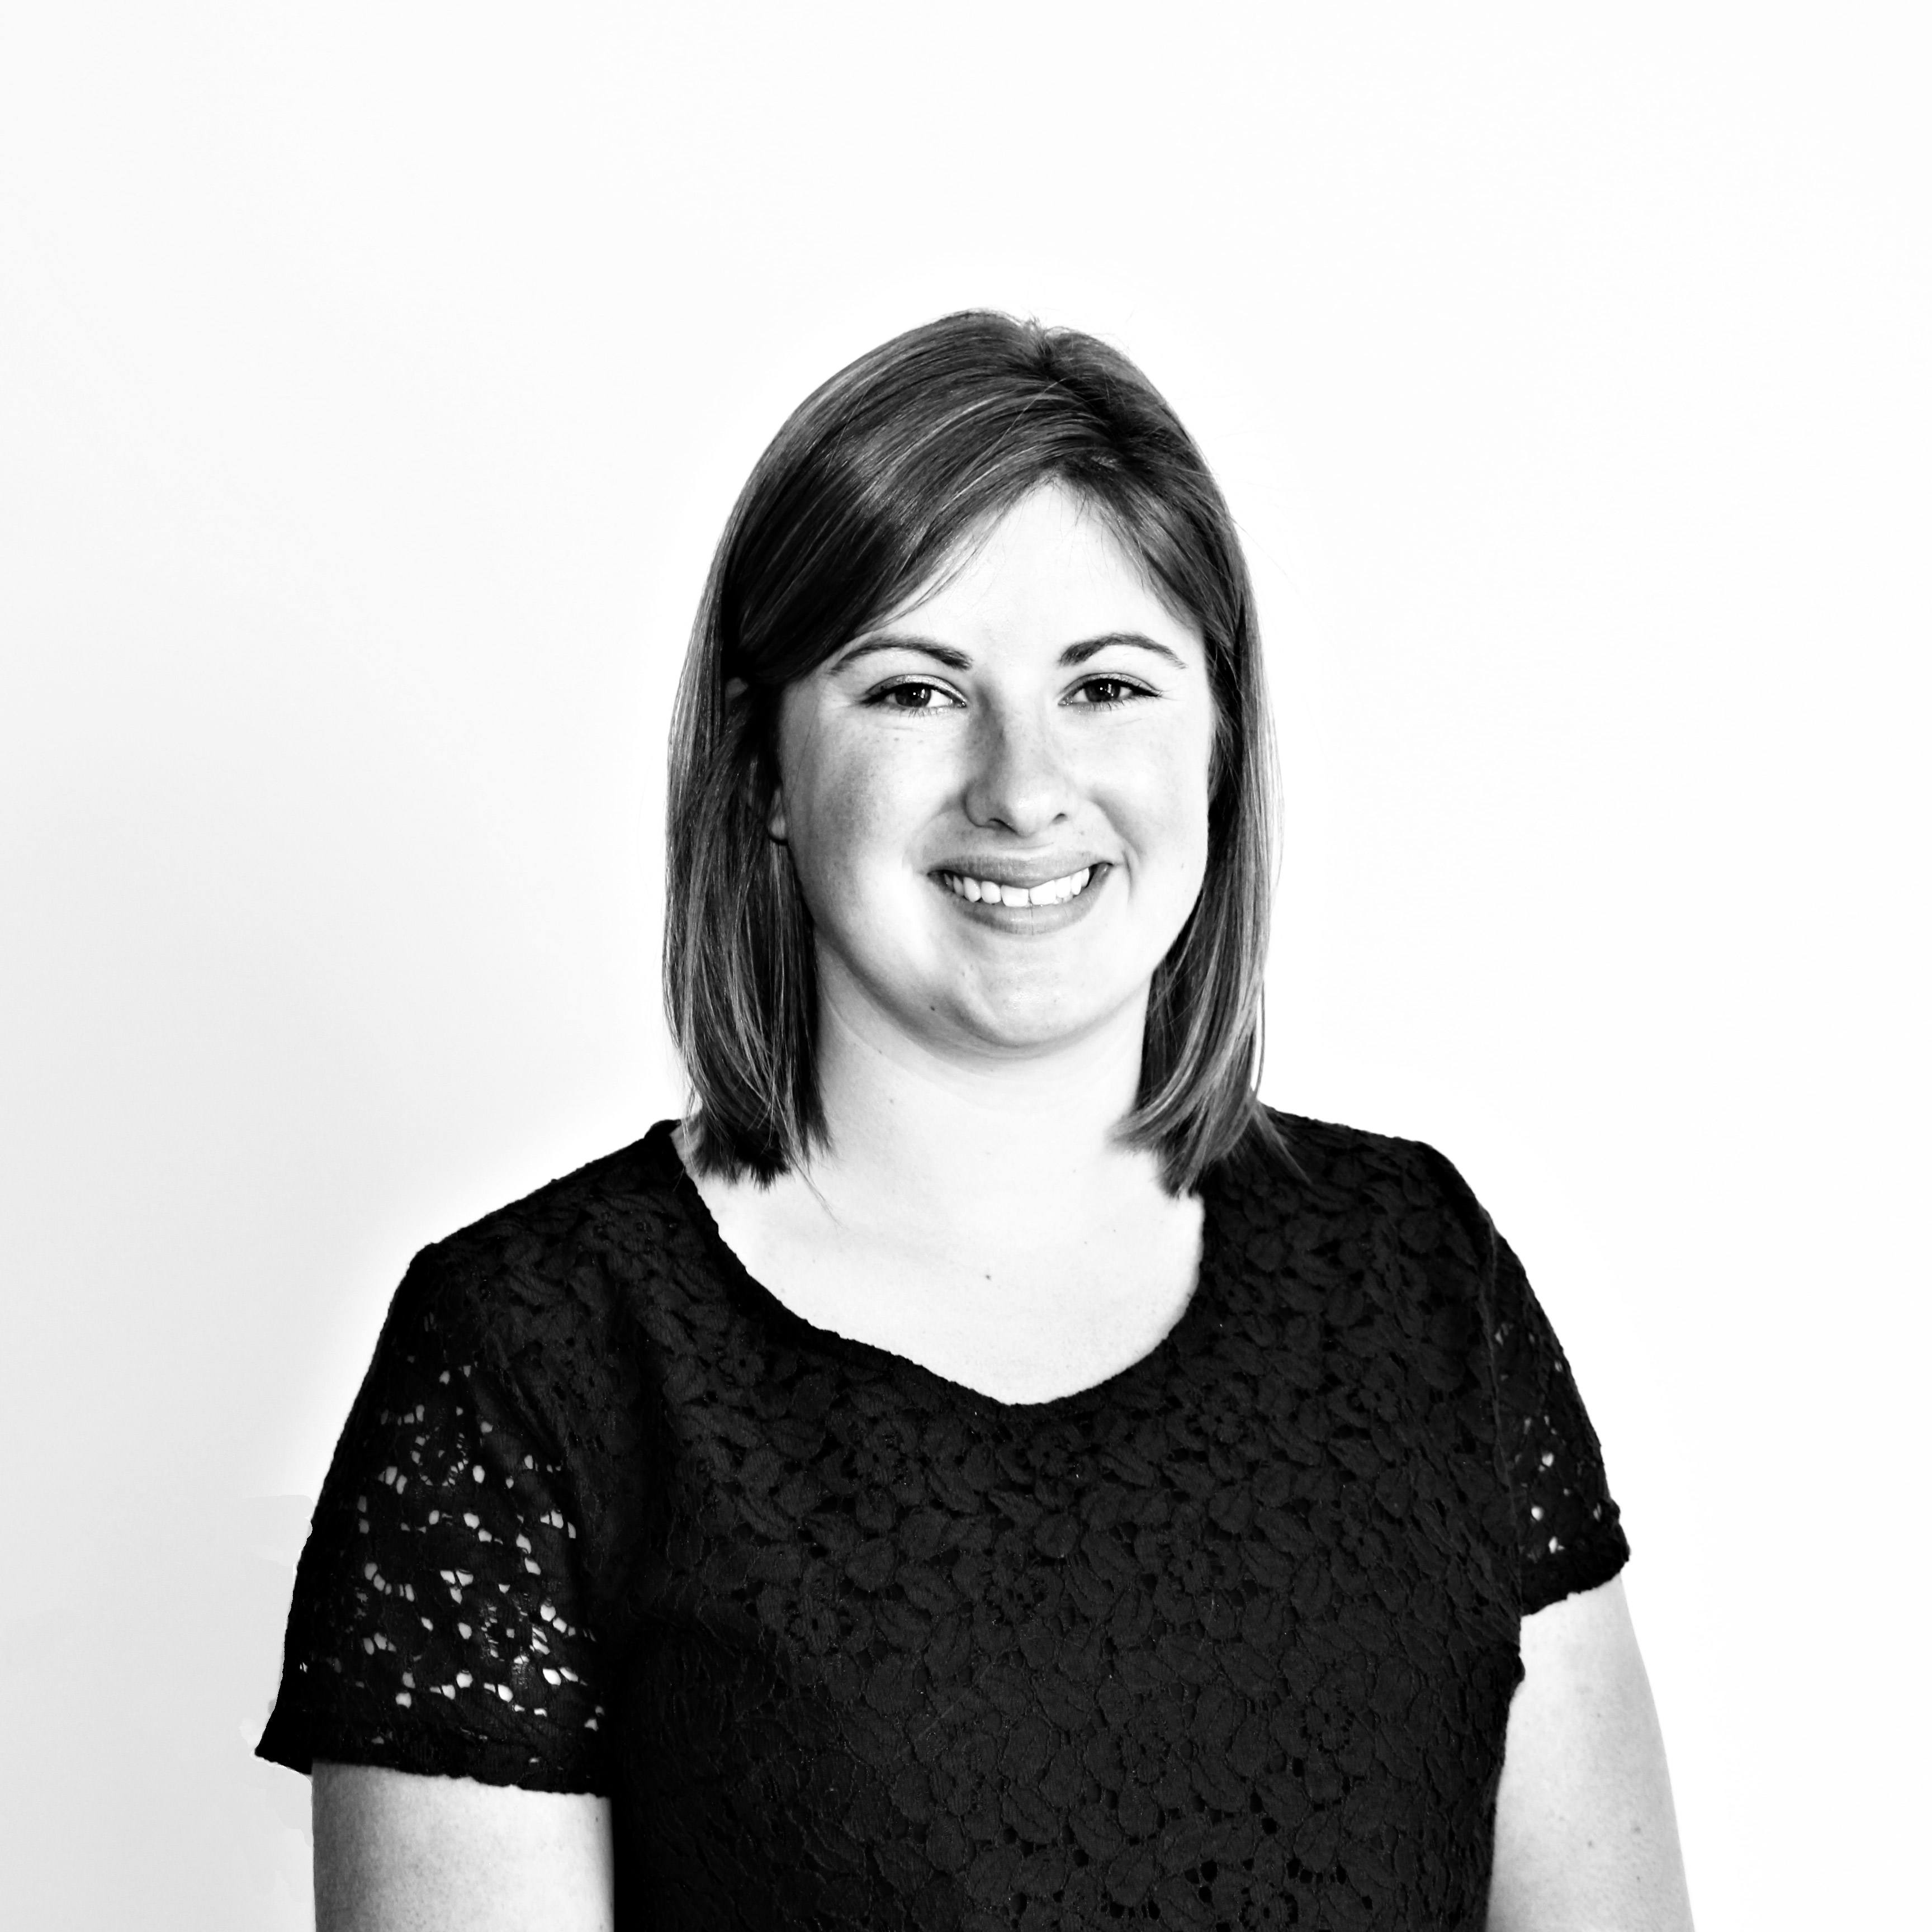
{"x": 398, "y": 1852}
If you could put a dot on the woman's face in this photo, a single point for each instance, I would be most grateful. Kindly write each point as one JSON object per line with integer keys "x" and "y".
{"x": 997, "y": 799}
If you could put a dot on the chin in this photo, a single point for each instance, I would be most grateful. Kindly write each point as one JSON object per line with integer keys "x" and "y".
{"x": 1028, "y": 1026}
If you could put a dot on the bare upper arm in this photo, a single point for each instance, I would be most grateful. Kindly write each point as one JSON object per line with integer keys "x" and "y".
{"x": 397, "y": 1852}
{"x": 1586, "y": 1837}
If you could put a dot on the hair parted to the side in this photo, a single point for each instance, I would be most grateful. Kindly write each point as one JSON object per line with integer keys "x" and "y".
{"x": 877, "y": 480}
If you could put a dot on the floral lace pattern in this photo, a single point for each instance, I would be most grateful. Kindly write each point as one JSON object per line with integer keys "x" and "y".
{"x": 1227, "y": 1641}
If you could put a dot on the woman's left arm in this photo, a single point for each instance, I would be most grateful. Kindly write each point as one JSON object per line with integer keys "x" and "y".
{"x": 1586, "y": 1837}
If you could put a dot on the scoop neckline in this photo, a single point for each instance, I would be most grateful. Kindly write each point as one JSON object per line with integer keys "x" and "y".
{"x": 752, "y": 1297}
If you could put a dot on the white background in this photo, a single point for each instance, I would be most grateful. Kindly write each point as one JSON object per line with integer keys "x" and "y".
{"x": 373, "y": 382}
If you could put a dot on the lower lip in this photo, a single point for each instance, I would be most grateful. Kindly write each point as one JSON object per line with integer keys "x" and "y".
{"x": 1029, "y": 922}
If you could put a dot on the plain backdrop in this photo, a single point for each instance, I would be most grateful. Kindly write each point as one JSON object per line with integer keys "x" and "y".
{"x": 374, "y": 383}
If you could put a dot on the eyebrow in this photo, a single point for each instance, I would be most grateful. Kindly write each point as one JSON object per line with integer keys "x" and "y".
{"x": 955, "y": 659}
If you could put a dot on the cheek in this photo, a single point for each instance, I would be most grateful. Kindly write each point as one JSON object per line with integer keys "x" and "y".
{"x": 1164, "y": 805}
{"x": 846, "y": 813}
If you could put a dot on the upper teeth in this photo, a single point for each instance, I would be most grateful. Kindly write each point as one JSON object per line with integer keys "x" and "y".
{"x": 1054, "y": 892}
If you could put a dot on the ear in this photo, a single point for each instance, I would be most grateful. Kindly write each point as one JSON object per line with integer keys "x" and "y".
{"x": 737, "y": 694}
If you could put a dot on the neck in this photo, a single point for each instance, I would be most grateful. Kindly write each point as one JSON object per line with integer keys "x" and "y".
{"x": 1032, "y": 1132}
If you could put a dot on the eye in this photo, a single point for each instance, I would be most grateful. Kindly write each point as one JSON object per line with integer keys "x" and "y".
{"x": 910, "y": 695}
{"x": 1106, "y": 693}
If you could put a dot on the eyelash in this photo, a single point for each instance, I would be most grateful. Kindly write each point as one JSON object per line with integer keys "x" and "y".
{"x": 1124, "y": 685}
{"x": 881, "y": 699}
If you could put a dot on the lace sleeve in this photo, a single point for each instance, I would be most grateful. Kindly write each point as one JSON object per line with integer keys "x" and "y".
{"x": 437, "y": 1624}
{"x": 1568, "y": 1530}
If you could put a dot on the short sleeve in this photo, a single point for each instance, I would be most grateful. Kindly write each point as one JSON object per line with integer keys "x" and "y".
{"x": 1569, "y": 1533}
{"x": 438, "y": 1625}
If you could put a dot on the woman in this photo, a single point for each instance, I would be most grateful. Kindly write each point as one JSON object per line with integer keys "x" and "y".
{"x": 981, "y": 1469}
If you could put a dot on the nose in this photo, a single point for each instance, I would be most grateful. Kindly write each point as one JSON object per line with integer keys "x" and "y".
{"x": 1019, "y": 781}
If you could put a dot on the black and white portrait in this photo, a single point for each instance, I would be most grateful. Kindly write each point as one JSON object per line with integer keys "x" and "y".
{"x": 962, "y": 971}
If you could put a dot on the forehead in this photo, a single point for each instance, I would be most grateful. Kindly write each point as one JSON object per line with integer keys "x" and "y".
{"x": 1051, "y": 566}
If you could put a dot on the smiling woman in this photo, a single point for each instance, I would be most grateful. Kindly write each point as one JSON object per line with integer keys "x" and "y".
{"x": 894, "y": 478}
{"x": 981, "y": 1469}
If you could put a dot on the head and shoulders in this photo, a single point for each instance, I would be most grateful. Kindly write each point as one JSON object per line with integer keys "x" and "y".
{"x": 970, "y": 846}
{"x": 969, "y": 849}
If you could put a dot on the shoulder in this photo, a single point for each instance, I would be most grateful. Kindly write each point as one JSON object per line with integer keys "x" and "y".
{"x": 548, "y": 1296}
{"x": 1374, "y": 1234}
{"x": 548, "y": 1252}
{"x": 1377, "y": 1242}
{"x": 1306, "y": 1171}
{"x": 547, "y": 1223}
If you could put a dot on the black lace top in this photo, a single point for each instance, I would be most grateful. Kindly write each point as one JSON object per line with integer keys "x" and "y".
{"x": 1227, "y": 1640}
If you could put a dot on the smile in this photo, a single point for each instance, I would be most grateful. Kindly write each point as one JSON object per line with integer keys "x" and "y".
{"x": 1049, "y": 892}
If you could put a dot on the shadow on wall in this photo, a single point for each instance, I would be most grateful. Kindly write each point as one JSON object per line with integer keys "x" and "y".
{"x": 130, "y": 1711}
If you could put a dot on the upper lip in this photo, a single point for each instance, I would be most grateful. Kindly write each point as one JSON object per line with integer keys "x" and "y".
{"x": 1028, "y": 872}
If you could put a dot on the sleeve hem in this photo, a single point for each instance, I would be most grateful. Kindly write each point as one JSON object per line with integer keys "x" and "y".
{"x": 1585, "y": 1569}
{"x": 299, "y": 1747}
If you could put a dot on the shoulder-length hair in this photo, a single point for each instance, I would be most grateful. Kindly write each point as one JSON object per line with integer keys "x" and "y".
{"x": 878, "y": 479}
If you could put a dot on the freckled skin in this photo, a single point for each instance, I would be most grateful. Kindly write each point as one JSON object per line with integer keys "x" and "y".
{"x": 1017, "y": 754}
